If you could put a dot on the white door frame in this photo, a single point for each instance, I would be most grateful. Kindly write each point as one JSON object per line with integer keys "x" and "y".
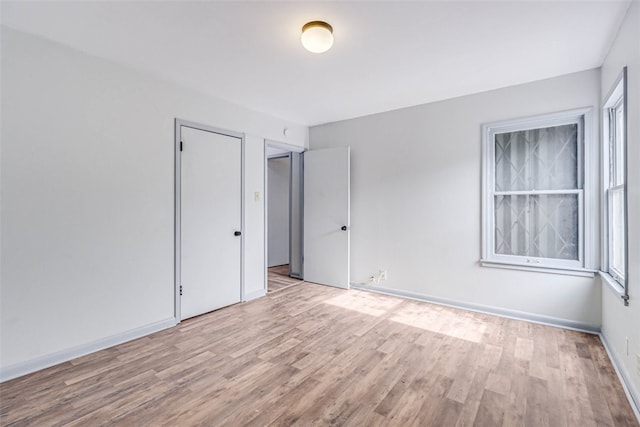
{"x": 179, "y": 123}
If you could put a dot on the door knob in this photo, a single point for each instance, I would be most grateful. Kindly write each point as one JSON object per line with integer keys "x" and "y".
{"x": 343, "y": 228}
{"x": 237, "y": 233}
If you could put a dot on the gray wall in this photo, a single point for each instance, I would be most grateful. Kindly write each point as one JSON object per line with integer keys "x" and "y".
{"x": 620, "y": 323}
{"x": 416, "y": 198}
{"x": 278, "y": 211}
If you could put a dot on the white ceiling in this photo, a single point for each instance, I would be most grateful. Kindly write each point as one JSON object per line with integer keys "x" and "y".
{"x": 386, "y": 55}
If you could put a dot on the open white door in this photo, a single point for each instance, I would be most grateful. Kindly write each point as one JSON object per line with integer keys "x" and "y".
{"x": 327, "y": 216}
{"x": 210, "y": 221}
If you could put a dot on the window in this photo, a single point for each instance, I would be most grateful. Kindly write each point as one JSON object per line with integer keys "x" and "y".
{"x": 534, "y": 192}
{"x": 614, "y": 174}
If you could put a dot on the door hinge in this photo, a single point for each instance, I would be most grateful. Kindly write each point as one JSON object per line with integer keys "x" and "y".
{"x": 180, "y": 290}
{"x": 180, "y": 145}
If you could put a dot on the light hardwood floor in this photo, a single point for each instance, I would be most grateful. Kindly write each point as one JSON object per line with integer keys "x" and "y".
{"x": 314, "y": 355}
{"x": 278, "y": 278}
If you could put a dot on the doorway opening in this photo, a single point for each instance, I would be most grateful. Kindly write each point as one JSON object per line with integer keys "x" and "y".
{"x": 317, "y": 228}
{"x": 284, "y": 216}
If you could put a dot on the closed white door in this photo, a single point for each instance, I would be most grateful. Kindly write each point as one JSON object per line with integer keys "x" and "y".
{"x": 210, "y": 221}
{"x": 327, "y": 216}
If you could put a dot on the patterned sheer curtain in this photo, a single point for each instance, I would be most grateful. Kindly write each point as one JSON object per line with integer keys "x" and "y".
{"x": 537, "y": 190}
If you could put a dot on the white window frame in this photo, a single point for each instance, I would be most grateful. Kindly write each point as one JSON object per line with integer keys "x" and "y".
{"x": 617, "y": 96}
{"x": 583, "y": 117}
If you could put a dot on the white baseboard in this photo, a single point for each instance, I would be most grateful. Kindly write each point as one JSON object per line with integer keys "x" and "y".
{"x": 23, "y": 368}
{"x": 497, "y": 311}
{"x": 633, "y": 394}
{"x": 255, "y": 294}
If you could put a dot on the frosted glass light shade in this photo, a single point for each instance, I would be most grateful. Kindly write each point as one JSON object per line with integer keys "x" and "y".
{"x": 317, "y": 36}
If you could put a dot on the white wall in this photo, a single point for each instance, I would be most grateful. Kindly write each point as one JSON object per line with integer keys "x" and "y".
{"x": 416, "y": 198}
{"x": 620, "y": 322}
{"x": 278, "y": 211}
{"x": 87, "y": 197}
{"x": 254, "y": 213}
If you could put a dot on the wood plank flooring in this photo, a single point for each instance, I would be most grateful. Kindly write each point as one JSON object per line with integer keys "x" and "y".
{"x": 314, "y": 355}
{"x": 278, "y": 278}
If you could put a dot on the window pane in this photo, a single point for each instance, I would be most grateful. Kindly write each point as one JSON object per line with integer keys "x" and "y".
{"x": 543, "y": 226}
{"x": 618, "y": 168}
{"x": 537, "y": 159}
{"x": 617, "y": 231}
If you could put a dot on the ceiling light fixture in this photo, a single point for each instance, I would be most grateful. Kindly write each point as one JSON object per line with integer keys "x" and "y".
{"x": 317, "y": 36}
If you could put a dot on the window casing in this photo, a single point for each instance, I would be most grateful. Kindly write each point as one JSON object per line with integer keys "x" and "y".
{"x": 534, "y": 192}
{"x": 614, "y": 174}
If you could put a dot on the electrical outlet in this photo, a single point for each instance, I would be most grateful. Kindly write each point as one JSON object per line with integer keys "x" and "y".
{"x": 638, "y": 364}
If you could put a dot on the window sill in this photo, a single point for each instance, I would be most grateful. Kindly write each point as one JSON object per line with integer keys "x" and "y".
{"x": 611, "y": 283}
{"x": 582, "y": 272}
